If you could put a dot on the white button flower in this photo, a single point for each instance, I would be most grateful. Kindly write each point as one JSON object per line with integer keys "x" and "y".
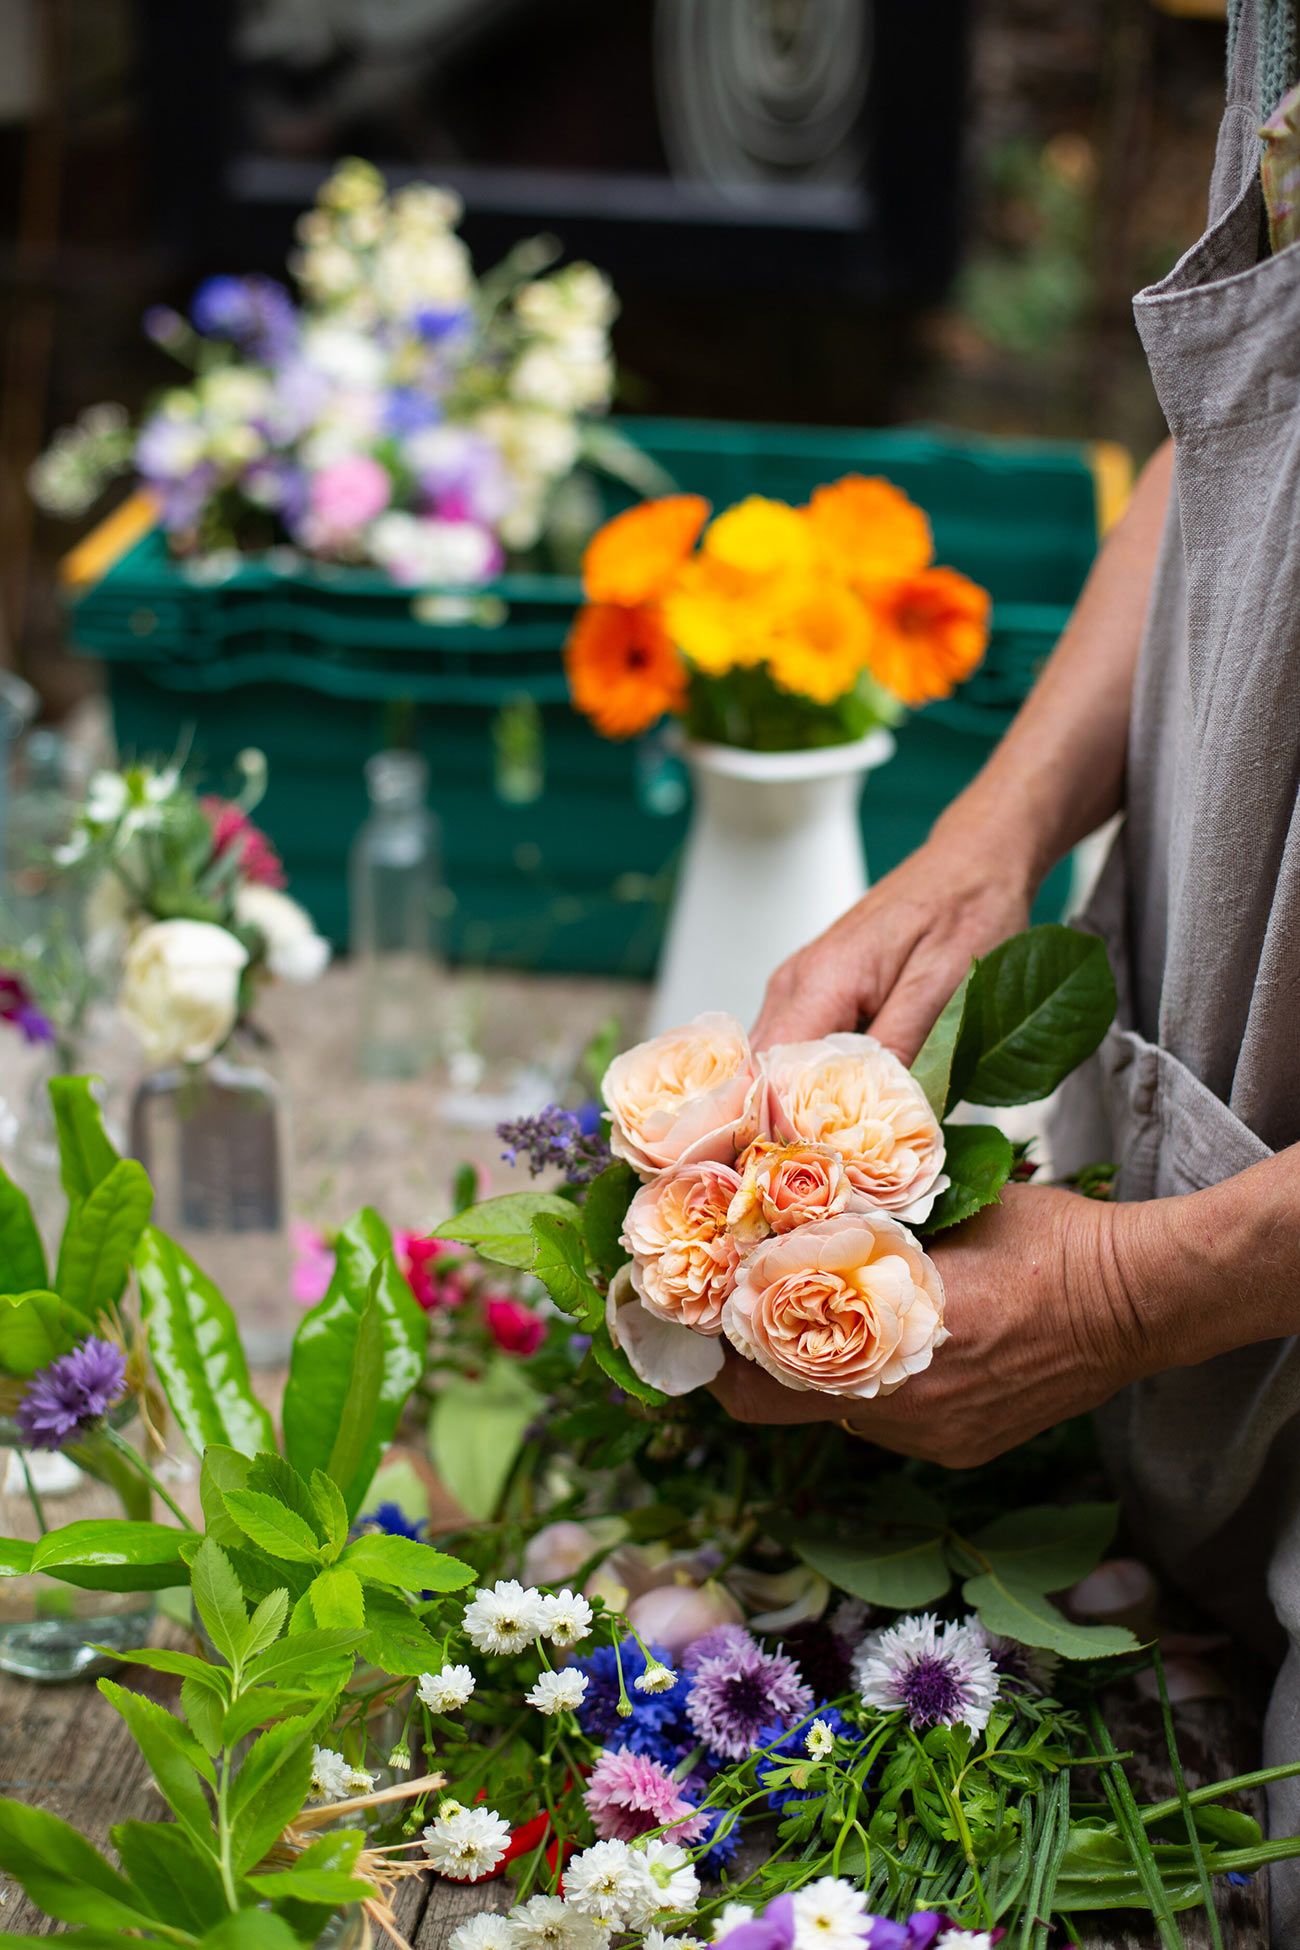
{"x": 610, "y": 1883}
{"x": 549, "y": 1923}
{"x": 443, "y": 1692}
{"x": 828, "y": 1915}
{"x": 331, "y": 1776}
{"x": 487, "y": 1931}
{"x": 505, "y": 1619}
{"x": 558, "y": 1692}
{"x": 568, "y": 1618}
{"x": 819, "y": 1740}
{"x": 671, "y": 1872}
{"x": 464, "y": 1844}
{"x": 656, "y": 1678}
{"x": 729, "y": 1917}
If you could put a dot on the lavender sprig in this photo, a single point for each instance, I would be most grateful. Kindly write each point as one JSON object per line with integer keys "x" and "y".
{"x": 568, "y": 1141}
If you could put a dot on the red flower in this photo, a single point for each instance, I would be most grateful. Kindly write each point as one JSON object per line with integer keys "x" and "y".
{"x": 514, "y": 1327}
{"x": 258, "y": 859}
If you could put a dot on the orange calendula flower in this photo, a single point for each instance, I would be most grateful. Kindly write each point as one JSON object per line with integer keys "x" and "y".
{"x": 819, "y": 640}
{"x": 634, "y": 557}
{"x": 870, "y": 531}
{"x": 622, "y": 668}
{"x": 931, "y": 631}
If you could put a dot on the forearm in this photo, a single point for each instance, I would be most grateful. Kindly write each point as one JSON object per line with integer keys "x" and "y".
{"x": 1059, "y": 771}
{"x": 1212, "y": 1270}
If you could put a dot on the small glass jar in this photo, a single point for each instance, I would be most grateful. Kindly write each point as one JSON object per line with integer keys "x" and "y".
{"x": 48, "y": 1629}
{"x": 212, "y": 1138}
{"x": 394, "y": 876}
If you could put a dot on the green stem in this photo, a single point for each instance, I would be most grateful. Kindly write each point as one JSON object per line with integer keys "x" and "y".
{"x": 1202, "y": 1875}
{"x": 1235, "y": 1784}
{"x": 223, "y": 1835}
{"x": 1125, "y": 1812}
{"x": 133, "y": 1456}
{"x": 33, "y": 1495}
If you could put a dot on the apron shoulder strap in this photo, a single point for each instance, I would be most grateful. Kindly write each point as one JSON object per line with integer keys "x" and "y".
{"x": 1236, "y": 162}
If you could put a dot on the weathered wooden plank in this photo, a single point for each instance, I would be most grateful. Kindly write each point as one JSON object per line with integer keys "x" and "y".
{"x": 451, "y": 1903}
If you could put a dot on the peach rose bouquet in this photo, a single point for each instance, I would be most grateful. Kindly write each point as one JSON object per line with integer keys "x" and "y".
{"x": 780, "y": 1201}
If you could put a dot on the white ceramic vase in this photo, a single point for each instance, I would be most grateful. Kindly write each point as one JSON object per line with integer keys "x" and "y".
{"x": 774, "y": 854}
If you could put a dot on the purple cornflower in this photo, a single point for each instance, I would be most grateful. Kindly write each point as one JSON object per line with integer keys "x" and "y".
{"x": 938, "y": 1675}
{"x": 17, "y": 1007}
{"x": 255, "y": 313}
{"x": 71, "y": 1395}
{"x": 555, "y": 1140}
{"x": 741, "y": 1690}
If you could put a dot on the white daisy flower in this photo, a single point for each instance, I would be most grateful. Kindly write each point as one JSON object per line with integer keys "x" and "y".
{"x": 331, "y": 1776}
{"x": 655, "y": 1679}
{"x": 443, "y": 1692}
{"x": 965, "y": 1940}
{"x": 829, "y": 1915}
{"x": 466, "y": 1843}
{"x": 939, "y": 1675}
{"x": 672, "y": 1873}
{"x": 608, "y": 1882}
{"x": 487, "y": 1931}
{"x": 656, "y": 1939}
{"x": 568, "y": 1618}
{"x": 558, "y": 1692}
{"x": 505, "y": 1619}
{"x": 549, "y": 1923}
{"x": 729, "y": 1917}
{"x": 819, "y": 1740}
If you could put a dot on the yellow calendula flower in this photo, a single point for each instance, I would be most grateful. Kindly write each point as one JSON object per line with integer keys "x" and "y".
{"x": 819, "y": 637}
{"x": 711, "y": 615}
{"x": 763, "y": 538}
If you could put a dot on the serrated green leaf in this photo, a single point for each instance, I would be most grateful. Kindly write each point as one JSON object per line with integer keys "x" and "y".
{"x": 301, "y": 1652}
{"x": 223, "y": 1469}
{"x": 111, "y": 1554}
{"x": 337, "y": 1852}
{"x": 336, "y": 1598}
{"x": 324, "y": 1387}
{"x": 270, "y": 1789}
{"x": 405, "y": 1565}
{"x": 267, "y": 1623}
{"x": 331, "y": 1510}
{"x": 219, "y": 1600}
{"x": 35, "y": 1328}
{"x": 979, "y": 1162}
{"x": 263, "y": 1705}
{"x": 603, "y": 1213}
{"x": 399, "y": 1644}
{"x": 476, "y": 1431}
{"x": 933, "y": 1066}
{"x": 185, "y": 1665}
{"x": 85, "y": 1153}
{"x": 175, "y": 1758}
{"x": 61, "y": 1872}
{"x": 501, "y": 1229}
{"x": 311, "y": 1886}
{"x": 1019, "y": 1612}
{"x": 197, "y": 1351}
{"x": 904, "y": 1569}
{"x": 1036, "y": 1007}
{"x": 559, "y": 1262}
{"x": 278, "y": 1478}
{"x": 204, "y": 1710}
{"x": 273, "y": 1527}
{"x": 1048, "y": 1547}
{"x": 181, "y": 1882}
{"x": 101, "y": 1236}
{"x": 22, "y": 1256}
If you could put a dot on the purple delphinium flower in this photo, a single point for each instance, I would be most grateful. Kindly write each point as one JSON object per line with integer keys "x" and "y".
{"x": 255, "y": 313}
{"x": 741, "y": 1690}
{"x": 554, "y": 1140}
{"x": 433, "y": 323}
{"x": 17, "y": 1007}
{"x": 72, "y": 1394}
{"x": 406, "y": 410}
{"x": 938, "y": 1675}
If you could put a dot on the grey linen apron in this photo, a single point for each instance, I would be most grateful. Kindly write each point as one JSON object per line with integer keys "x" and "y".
{"x": 1200, "y": 907}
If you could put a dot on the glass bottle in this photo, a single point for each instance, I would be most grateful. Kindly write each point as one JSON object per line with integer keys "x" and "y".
{"x": 394, "y": 873}
{"x": 40, "y": 895}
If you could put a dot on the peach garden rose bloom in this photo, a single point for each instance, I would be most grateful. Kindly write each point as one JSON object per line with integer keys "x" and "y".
{"x": 684, "y": 1259}
{"x": 685, "y": 1096}
{"x": 852, "y": 1094}
{"x": 787, "y": 1185}
{"x": 849, "y": 1306}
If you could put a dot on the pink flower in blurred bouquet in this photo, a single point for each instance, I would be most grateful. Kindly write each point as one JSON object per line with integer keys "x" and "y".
{"x": 514, "y": 1327}
{"x": 231, "y": 828}
{"x": 313, "y": 1265}
{"x": 17, "y": 1007}
{"x": 345, "y": 497}
{"x": 415, "y": 1256}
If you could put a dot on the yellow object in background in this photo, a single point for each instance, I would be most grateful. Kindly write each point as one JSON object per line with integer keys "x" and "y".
{"x": 95, "y": 554}
{"x": 1112, "y": 480}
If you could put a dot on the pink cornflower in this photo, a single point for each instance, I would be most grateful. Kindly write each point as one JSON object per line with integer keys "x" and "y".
{"x": 516, "y": 1329}
{"x": 258, "y": 859}
{"x": 313, "y": 1265}
{"x": 629, "y": 1794}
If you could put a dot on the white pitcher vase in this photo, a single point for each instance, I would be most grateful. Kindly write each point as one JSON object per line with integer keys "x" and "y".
{"x": 774, "y": 854}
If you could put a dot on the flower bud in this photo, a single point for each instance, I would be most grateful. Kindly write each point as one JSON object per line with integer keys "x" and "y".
{"x": 675, "y": 1615}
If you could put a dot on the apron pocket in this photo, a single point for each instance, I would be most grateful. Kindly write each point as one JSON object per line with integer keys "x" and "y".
{"x": 1171, "y": 1134}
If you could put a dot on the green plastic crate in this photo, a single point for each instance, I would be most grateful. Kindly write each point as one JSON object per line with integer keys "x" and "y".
{"x": 309, "y": 666}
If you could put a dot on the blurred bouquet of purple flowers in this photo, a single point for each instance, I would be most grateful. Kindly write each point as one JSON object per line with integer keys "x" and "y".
{"x": 399, "y": 413}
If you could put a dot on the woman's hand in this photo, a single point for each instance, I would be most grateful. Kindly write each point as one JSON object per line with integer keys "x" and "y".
{"x": 1042, "y": 1327}
{"x": 892, "y": 961}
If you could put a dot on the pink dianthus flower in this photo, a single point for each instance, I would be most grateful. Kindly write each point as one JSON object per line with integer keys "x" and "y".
{"x": 629, "y": 1794}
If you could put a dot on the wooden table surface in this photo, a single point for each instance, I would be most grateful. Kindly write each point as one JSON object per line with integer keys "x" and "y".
{"x": 357, "y": 1141}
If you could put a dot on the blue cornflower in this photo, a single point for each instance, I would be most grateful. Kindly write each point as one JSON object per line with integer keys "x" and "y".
{"x": 72, "y": 1395}
{"x": 255, "y": 313}
{"x": 793, "y": 1746}
{"x": 657, "y": 1727}
{"x": 393, "y": 1521}
{"x": 406, "y": 411}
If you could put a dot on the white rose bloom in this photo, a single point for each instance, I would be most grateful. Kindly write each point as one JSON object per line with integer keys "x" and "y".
{"x": 444, "y": 1691}
{"x": 487, "y": 1931}
{"x": 549, "y": 1923}
{"x": 294, "y": 950}
{"x": 558, "y": 1692}
{"x": 568, "y": 1618}
{"x": 467, "y": 1843}
{"x": 505, "y": 1619}
{"x": 180, "y": 989}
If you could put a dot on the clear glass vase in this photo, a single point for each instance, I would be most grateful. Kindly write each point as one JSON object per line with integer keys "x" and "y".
{"x": 393, "y": 883}
{"x": 48, "y": 1629}
{"x": 212, "y": 1138}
